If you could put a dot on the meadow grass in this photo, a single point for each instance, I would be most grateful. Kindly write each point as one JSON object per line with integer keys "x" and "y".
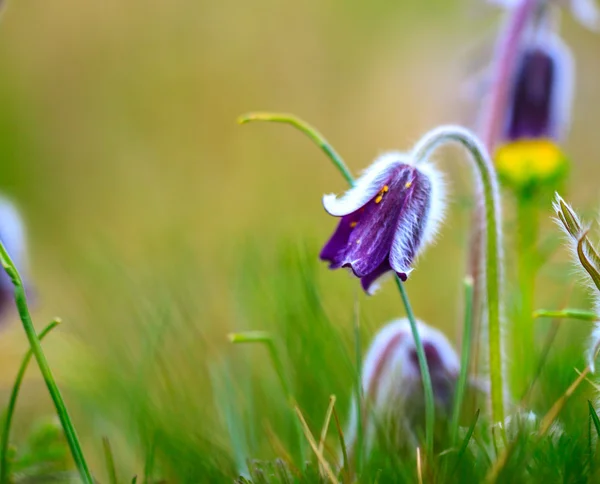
{"x": 190, "y": 408}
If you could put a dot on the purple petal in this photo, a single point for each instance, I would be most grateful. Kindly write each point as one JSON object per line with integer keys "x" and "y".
{"x": 368, "y": 280}
{"x": 532, "y": 97}
{"x": 334, "y": 249}
{"x": 410, "y": 223}
{"x": 371, "y": 240}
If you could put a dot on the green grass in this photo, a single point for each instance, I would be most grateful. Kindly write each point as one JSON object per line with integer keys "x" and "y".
{"x": 184, "y": 405}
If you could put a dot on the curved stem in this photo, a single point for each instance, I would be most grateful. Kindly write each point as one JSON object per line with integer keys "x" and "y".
{"x": 523, "y": 328}
{"x": 489, "y": 184}
{"x": 38, "y": 352}
{"x": 12, "y": 403}
{"x": 308, "y": 130}
{"x": 314, "y": 135}
{"x": 506, "y": 55}
{"x": 424, "y": 367}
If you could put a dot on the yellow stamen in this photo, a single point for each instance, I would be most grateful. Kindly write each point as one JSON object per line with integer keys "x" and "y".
{"x": 529, "y": 160}
{"x": 383, "y": 191}
{"x": 353, "y": 224}
{"x": 408, "y": 184}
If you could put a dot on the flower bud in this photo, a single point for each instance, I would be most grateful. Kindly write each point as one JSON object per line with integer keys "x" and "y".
{"x": 392, "y": 386}
{"x": 588, "y": 258}
{"x": 387, "y": 218}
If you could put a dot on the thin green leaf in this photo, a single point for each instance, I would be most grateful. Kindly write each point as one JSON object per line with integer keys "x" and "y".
{"x": 12, "y": 403}
{"x": 594, "y": 417}
{"x": 465, "y": 442}
{"x": 566, "y": 314}
{"x": 110, "y": 462}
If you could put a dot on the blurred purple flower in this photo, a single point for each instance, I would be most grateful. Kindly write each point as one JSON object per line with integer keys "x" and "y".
{"x": 586, "y": 12}
{"x": 12, "y": 235}
{"x": 387, "y": 218}
{"x": 541, "y": 95}
{"x": 538, "y": 112}
{"x": 392, "y": 385}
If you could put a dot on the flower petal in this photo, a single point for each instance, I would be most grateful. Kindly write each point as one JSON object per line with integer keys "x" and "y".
{"x": 369, "y": 282}
{"x": 366, "y": 187}
{"x": 586, "y": 12}
{"x": 411, "y": 222}
{"x": 371, "y": 240}
{"x": 334, "y": 249}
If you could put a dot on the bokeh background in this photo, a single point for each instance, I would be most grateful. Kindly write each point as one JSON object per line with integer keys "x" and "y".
{"x": 157, "y": 224}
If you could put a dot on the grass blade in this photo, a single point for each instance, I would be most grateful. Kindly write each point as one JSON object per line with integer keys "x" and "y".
{"x": 567, "y": 314}
{"x": 465, "y": 442}
{"x": 464, "y": 359}
{"x": 110, "y": 462}
{"x": 12, "y": 403}
{"x": 311, "y": 440}
{"x": 265, "y": 338}
{"x": 594, "y": 417}
{"x": 40, "y": 357}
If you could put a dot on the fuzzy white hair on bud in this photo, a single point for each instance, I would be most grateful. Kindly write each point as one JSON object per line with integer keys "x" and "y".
{"x": 586, "y": 260}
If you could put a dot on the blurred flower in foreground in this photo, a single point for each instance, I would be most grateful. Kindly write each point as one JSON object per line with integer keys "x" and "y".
{"x": 392, "y": 386}
{"x": 387, "y": 218}
{"x": 12, "y": 235}
{"x": 587, "y": 256}
{"x": 537, "y": 115}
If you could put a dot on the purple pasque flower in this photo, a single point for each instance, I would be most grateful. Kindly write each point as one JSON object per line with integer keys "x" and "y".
{"x": 386, "y": 219}
{"x": 542, "y": 90}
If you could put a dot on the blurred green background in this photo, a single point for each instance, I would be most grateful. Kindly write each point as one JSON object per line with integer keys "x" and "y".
{"x": 148, "y": 208}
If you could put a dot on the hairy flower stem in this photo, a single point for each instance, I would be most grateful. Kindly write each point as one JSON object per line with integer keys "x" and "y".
{"x": 506, "y": 55}
{"x": 493, "y": 276}
{"x": 314, "y": 135}
{"x": 38, "y": 353}
{"x": 523, "y": 333}
{"x": 12, "y": 404}
{"x": 423, "y": 366}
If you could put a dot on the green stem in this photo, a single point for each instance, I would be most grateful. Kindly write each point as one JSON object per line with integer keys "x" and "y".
{"x": 308, "y": 130}
{"x": 425, "y": 376}
{"x": 12, "y": 403}
{"x": 489, "y": 183}
{"x": 314, "y": 135}
{"x": 358, "y": 455}
{"x": 461, "y": 384}
{"x": 523, "y": 330}
{"x": 263, "y": 337}
{"x": 40, "y": 357}
{"x": 567, "y": 314}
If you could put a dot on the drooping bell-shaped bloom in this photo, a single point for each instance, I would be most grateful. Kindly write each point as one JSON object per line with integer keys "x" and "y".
{"x": 386, "y": 219}
{"x": 12, "y": 235}
{"x": 393, "y": 388}
{"x": 538, "y": 112}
